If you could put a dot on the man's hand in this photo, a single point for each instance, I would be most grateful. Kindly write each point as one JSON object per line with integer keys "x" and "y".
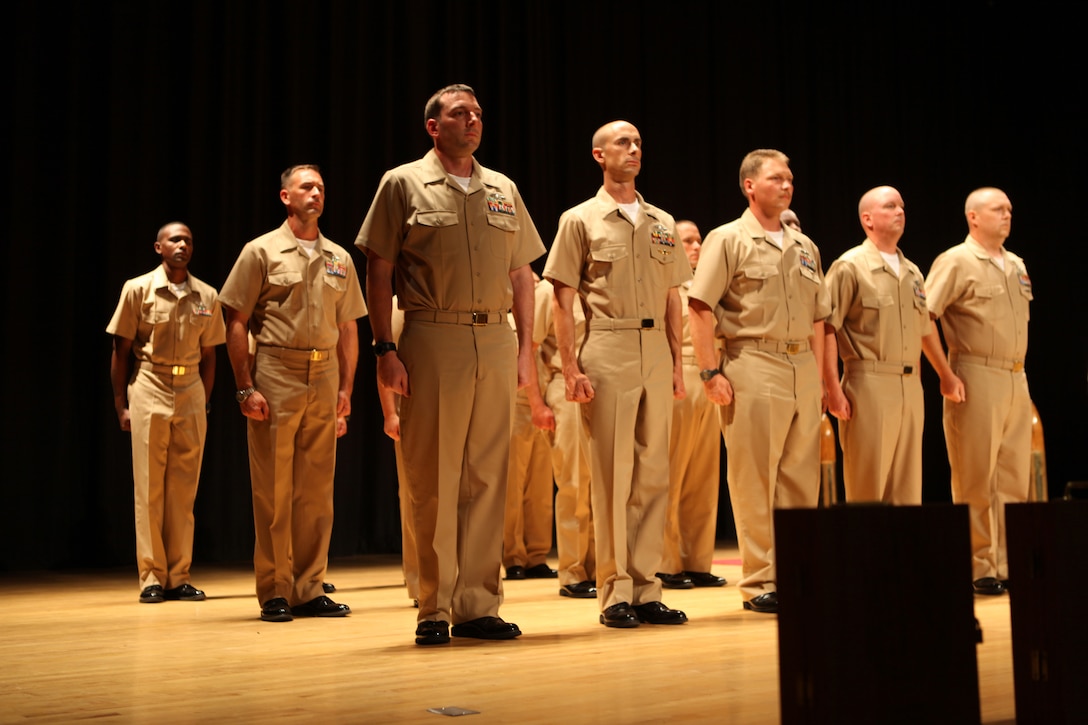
{"x": 255, "y": 406}
{"x": 579, "y": 389}
{"x": 124, "y": 419}
{"x": 952, "y": 388}
{"x": 719, "y": 390}
{"x": 837, "y": 403}
{"x": 392, "y": 373}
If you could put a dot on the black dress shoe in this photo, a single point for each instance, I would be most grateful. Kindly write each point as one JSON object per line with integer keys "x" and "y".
{"x": 328, "y": 588}
{"x": 321, "y": 607}
{"x": 989, "y": 586}
{"x": 515, "y": 572}
{"x": 620, "y": 616}
{"x": 541, "y": 571}
{"x": 429, "y": 632}
{"x": 581, "y": 590}
{"x": 704, "y": 579}
{"x": 152, "y": 595}
{"x": 184, "y": 593}
{"x": 658, "y": 613}
{"x": 766, "y": 603}
{"x": 675, "y": 581}
{"x": 486, "y": 628}
{"x": 276, "y": 610}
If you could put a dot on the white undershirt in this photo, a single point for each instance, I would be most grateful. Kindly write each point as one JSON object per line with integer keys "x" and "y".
{"x": 999, "y": 261}
{"x": 463, "y": 181}
{"x": 631, "y": 209}
{"x": 307, "y": 246}
{"x": 892, "y": 260}
{"x": 776, "y": 237}
{"x": 179, "y": 290}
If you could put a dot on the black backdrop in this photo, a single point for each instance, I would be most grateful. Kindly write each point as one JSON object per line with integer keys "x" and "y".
{"x": 125, "y": 116}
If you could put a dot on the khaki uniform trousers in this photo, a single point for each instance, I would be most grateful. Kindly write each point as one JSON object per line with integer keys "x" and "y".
{"x": 292, "y": 461}
{"x": 409, "y": 558}
{"x": 570, "y": 465}
{"x": 629, "y": 420}
{"x": 694, "y": 477}
{"x": 455, "y": 435}
{"x": 168, "y": 427}
{"x": 527, "y": 526}
{"x": 989, "y": 452}
{"x": 882, "y": 442}
{"x": 772, "y": 440}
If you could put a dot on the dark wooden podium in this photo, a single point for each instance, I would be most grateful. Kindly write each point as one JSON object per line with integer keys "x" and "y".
{"x": 1048, "y": 590}
{"x": 876, "y": 615}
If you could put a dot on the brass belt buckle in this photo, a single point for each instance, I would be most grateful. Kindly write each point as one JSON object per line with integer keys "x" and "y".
{"x": 479, "y": 318}
{"x": 1018, "y": 366}
{"x": 315, "y": 354}
{"x": 177, "y": 370}
{"x": 792, "y": 348}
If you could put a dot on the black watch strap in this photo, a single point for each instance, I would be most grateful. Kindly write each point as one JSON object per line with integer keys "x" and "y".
{"x": 380, "y": 348}
{"x": 707, "y": 375}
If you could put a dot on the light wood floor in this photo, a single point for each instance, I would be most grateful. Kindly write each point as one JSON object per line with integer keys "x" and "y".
{"x": 79, "y": 646}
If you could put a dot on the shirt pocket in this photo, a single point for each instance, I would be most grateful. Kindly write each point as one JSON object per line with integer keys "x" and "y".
{"x": 430, "y": 234}
{"x": 285, "y": 288}
{"x": 754, "y": 278}
{"x": 604, "y": 261}
{"x": 501, "y": 231}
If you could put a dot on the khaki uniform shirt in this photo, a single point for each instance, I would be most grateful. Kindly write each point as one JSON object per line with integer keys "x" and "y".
{"x": 983, "y": 309}
{"x": 424, "y": 222}
{"x": 757, "y": 290}
{"x": 876, "y": 315}
{"x": 621, "y": 269}
{"x": 292, "y": 300}
{"x": 164, "y": 329}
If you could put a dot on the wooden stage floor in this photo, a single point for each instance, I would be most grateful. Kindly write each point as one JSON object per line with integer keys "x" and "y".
{"x": 78, "y": 646}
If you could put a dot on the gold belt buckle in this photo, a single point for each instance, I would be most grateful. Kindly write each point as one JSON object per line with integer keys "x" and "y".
{"x": 316, "y": 355}
{"x": 1018, "y": 366}
{"x": 177, "y": 370}
{"x": 479, "y": 318}
{"x": 792, "y": 348}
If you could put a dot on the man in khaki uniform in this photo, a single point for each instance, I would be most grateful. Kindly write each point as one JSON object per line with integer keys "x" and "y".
{"x": 460, "y": 240}
{"x": 574, "y": 542}
{"x": 619, "y": 255}
{"x": 760, "y": 288}
{"x": 299, "y": 295}
{"x": 981, "y": 292}
{"x": 694, "y": 462}
{"x": 168, "y": 323}
{"x": 527, "y": 524}
{"x": 878, "y": 319}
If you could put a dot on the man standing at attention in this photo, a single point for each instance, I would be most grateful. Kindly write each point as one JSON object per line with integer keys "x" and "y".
{"x": 760, "y": 288}
{"x": 168, "y": 323}
{"x": 460, "y": 241}
{"x": 298, "y": 293}
{"x": 619, "y": 256}
{"x": 877, "y": 323}
{"x": 980, "y": 292}
{"x": 694, "y": 462}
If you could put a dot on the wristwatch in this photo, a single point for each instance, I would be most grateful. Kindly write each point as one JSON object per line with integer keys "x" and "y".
{"x": 707, "y": 375}
{"x": 242, "y": 395}
{"x": 380, "y": 348}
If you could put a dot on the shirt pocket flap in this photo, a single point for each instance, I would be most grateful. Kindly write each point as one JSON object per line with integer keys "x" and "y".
{"x": 874, "y": 302}
{"x": 504, "y": 222}
{"x": 608, "y": 253}
{"x": 284, "y": 278}
{"x": 437, "y": 218}
{"x": 760, "y": 271}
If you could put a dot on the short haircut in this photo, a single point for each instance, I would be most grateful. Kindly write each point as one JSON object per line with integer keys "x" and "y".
{"x": 753, "y": 162}
{"x": 974, "y": 199}
{"x": 290, "y": 170}
{"x": 434, "y": 104}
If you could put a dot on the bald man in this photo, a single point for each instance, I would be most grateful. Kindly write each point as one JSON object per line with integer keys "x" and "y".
{"x": 877, "y": 323}
{"x": 980, "y": 293}
{"x": 790, "y": 219}
{"x": 620, "y": 257}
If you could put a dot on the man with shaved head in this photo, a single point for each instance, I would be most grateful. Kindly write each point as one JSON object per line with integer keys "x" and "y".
{"x": 165, "y": 329}
{"x": 878, "y": 319}
{"x": 620, "y": 257}
{"x": 981, "y": 292}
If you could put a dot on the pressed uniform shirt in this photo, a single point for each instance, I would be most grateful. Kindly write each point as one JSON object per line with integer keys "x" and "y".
{"x": 453, "y": 250}
{"x": 983, "y": 309}
{"x": 621, "y": 268}
{"x": 756, "y": 289}
{"x": 165, "y": 329}
{"x": 876, "y": 315}
{"x": 294, "y": 300}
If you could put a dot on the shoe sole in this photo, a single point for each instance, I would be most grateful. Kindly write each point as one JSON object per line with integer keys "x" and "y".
{"x": 573, "y": 595}
{"x": 152, "y": 600}
{"x": 424, "y": 641}
{"x": 485, "y": 635}
{"x": 186, "y": 599}
{"x": 760, "y": 610}
{"x": 276, "y": 618}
